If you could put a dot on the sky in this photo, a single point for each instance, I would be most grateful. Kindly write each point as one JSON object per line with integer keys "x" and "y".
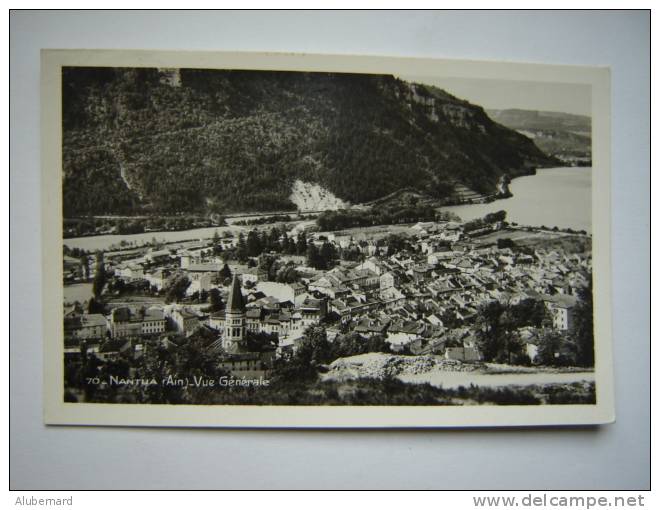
{"x": 526, "y": 95}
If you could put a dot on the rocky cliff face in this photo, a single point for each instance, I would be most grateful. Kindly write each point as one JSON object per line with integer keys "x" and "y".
{"x": 502, "y": 189}
{"x": 204, "y": 141}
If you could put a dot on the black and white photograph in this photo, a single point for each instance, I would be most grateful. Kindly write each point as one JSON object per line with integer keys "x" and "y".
{"x": 319, "y": 238}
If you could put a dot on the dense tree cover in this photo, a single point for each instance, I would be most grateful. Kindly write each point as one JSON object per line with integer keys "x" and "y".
{"x": 176, "y": 289}
{"x": 322, "y": 258}
{"x": 583, "y": 326}
{"x": 313, "y": 351}
{"x": 261, "y": 249}
{"x": 236, "y": 140}
{"x": 396, "y": 243}
{"x": 555, "y": 349}
{"x": 273, "y": 218}
{"x": 261, "y": 341}
{"x": 486, "y": 221}
{"x": 497, "y": 325}
{"x": 387, "y": 215}
{"x": 353, "y": 344}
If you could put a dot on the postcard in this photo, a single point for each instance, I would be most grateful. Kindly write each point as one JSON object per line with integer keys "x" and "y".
{"x": 291, "y": 240}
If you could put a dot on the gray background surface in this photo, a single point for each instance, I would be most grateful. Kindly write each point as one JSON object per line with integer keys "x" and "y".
{"x": 610, "y": 457}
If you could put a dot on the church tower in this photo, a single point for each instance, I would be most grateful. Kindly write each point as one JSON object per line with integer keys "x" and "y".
{"x": 234, "y": 336}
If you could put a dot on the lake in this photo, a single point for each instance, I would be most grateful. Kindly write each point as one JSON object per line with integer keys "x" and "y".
{"x": 553, "y": 197}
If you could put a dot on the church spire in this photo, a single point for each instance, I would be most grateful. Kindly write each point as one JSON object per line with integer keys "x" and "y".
{"x": 234, "y": 319}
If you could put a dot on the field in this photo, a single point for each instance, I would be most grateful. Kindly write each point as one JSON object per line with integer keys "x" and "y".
{"x": 80, "y": 292}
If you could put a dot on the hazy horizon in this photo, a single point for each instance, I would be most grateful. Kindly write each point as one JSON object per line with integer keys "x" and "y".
{"x": 491, "y": 94}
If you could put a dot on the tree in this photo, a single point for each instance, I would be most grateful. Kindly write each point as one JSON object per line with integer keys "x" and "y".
{"x": 99, "y": 276}
{"x": 583, "y": 326}
{"x": 287, "y": 274}
{"x": 351, "y": 253}
{"x": 241, "y": 248}
{"x": 495, "y": 217}
{"x": 551, "y": 350}
{"x": 396, "y": 243}
{"x": 313, "y": 351}
{"x": 225, "y": 272}
{"x": 290, "y": 246}
{"x": 261, "y": 342}
{"x": 301, "y": 244}
{"x": 84, "y": 262}
{"x": 266, "y": 263}
{"x": 94, "y": 306}
{"x": 274, "y": 239}
{"x": 528, "y": 312}
{"x": 314, "y": 257}
{"x": 353, "y": 344}
{"x": 254, "y": 245}
{"x": 497, "y": 337}
{"x": 217, "y": 246}
{"x": 315, "y": 348}
{"x": 215, "y": 300}
{"x": 327, "y": 255}
{"x": 177, "y": 289}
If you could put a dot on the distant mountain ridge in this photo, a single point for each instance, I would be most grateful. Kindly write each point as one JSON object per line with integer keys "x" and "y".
{"x": 562, "y": 135}
{"x": 209, "y": 141}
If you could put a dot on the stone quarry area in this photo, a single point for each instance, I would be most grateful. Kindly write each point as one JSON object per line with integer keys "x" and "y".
{"x": 381, "y": 365}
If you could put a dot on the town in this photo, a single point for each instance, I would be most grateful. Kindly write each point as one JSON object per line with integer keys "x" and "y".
{"x": 246, "y": 304}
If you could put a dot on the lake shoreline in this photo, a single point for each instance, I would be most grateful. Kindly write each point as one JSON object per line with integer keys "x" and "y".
{"x": 552, "y": 197}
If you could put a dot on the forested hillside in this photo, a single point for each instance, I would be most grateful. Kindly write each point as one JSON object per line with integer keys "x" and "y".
{"x": 202, "y": 141}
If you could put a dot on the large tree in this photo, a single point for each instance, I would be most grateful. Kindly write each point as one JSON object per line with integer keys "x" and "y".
{"x": 177, "y": 289}
{"x": 241, "y": 249}
{"x": 314, "y": 257}
{"x": 254, "y": 244}
{"x": 217, "y": 246}
{"x": 583, "y": 326}
{"x": 313, "y": 350}
{"x": 99, "y": 277}
{"x": 497, "y": 333}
